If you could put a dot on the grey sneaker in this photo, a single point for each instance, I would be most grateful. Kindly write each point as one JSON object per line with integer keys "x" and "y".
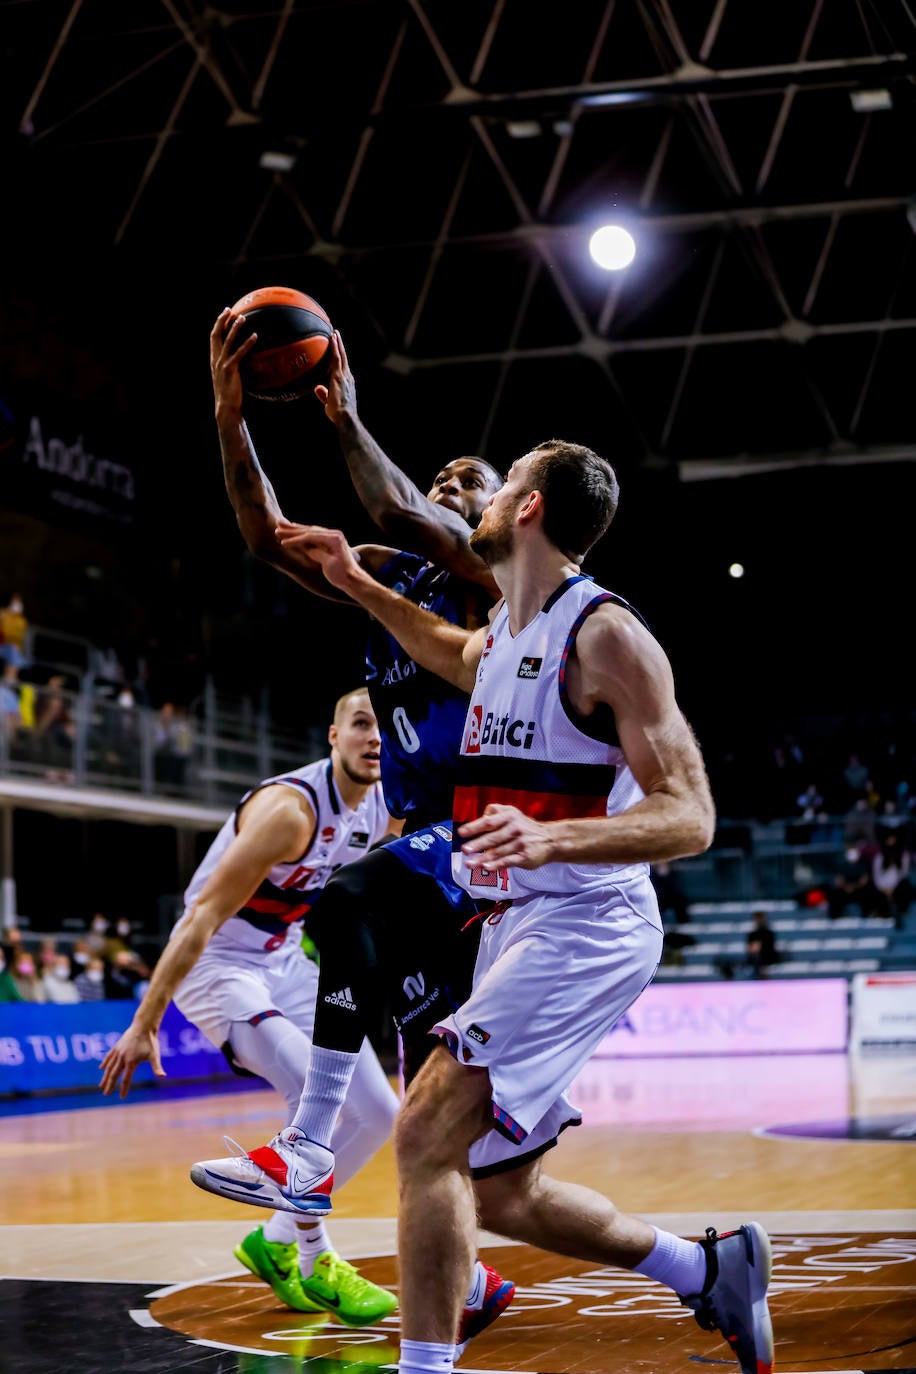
{"x": 734, "y": 1296}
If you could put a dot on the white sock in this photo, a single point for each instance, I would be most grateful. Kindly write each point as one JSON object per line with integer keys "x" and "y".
{"x": 478, "y": 1289}
{"x": 679, "y": 1264}
{"x": 313, "y": 1241}
{"x": 281, "y": 1228}
{"x": 329, "y": 1075}
{"x": 425, "y": 1357}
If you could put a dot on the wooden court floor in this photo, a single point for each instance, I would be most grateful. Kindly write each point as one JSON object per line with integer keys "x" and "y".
{"x": 113, "y": 1260}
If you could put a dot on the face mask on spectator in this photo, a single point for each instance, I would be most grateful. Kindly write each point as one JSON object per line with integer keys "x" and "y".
{"x": 25, "y": 968}
{"x": 99, "y": 925}
{"x": 16, "y": 606}
{"x": 95, "y": 975}
{"x": 61, "y": 971}
{"x": 81, "y": 957}
{"x": 124, "y": 929}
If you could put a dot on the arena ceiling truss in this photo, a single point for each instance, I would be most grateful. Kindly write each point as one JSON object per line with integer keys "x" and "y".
{"x": 443, "y": 164}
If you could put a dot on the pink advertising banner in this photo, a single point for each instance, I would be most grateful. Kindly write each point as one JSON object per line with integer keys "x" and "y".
{"x": 753, "y": 1017}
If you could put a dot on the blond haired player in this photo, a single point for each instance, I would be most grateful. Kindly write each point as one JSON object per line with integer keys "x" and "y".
{"x": 234, "y": 966}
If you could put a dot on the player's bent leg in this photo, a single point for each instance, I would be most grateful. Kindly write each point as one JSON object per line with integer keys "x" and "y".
{"x": 446, "y": 1108}
{"x": 732, "y": 1271}
{"x": 527, "y": 1205}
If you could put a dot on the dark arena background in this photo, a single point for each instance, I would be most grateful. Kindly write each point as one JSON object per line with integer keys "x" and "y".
{"x": 432, "y": 174}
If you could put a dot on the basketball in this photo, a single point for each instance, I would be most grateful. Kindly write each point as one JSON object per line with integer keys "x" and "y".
{"x": 290, "y": 356}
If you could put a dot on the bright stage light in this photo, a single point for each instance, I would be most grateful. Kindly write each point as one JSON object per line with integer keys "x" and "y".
{"x": 736, "y": 570}
{"x": 612, "y": 247}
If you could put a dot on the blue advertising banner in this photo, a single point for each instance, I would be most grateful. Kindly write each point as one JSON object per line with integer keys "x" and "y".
{"x": 43, "y": 1046}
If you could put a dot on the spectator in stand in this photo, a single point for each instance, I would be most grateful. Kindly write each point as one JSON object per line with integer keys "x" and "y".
{"x": 182, "y": 744}
{"x": 860, "y": 826}
{"x": 98, "y": 930}
{"x": 80, "y": 954}
{"x": 47, "y": 954}
{"x": 90, "y": 984}
{"x": 10, "y": 710}
{"x": 122, "y": 942}
{"x": 11, "y": 944}
{"x": 855, "y": 776}
{"x": 810, "y": 802}
{"x": 27, "y": 979}
{"x": 8, "y": 989}
{"x": 853, "y": 885}
{"x": 58, "y": 985}
{"x": 107, "y": 671}
{"x": 13, "y": 630}
{"x": 165, "y": 741}
{"x": 890, "y": 875}
{"x": 123, "y": 976}
{"x": 122, "y": 754}
{"x": 54, "y": 725}
{"x": 892, "y": 820}
{"x": 761, "y": 946}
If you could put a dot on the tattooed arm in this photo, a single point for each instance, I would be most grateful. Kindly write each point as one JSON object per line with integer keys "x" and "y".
{"x": 253, "y": 498}
{"x": 394, "y": 502}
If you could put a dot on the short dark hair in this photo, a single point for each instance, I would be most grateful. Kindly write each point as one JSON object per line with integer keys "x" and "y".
{"x": 495, "y": 477}
{"x": 580, "y": 491}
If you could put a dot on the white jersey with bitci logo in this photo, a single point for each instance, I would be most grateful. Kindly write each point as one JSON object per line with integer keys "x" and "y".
{"x": 281, "y": 901}
{"x": 524, "y": 745}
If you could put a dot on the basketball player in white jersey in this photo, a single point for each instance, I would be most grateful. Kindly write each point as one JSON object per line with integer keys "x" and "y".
{"x": 234, "y": 966}
{"x": 577, "y": 771}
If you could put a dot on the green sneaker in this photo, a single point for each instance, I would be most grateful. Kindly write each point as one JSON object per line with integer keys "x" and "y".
{"x": 335, "y": 1286}
{"x": 277, "y": 1265}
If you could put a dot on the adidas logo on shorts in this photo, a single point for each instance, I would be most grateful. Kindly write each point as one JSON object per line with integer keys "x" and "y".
{"x": 342, "y": 999}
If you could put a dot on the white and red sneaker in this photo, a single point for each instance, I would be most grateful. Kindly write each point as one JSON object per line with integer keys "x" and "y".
{"x": 291, "y": 1174}
{"x": 496, "y": 1297}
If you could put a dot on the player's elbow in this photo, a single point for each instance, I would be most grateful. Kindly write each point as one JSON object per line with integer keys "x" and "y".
{"x": 261, "y": 543}
{"x": 699, "y": 828}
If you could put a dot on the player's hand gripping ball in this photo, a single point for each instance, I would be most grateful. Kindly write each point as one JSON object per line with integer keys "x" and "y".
{"x": 291, "y": 354}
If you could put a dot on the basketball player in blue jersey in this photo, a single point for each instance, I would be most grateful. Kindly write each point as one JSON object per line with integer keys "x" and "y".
{"x": 396, "y": 917}
{"x": 577, "y": 771}
{"x": 235, "y": 967}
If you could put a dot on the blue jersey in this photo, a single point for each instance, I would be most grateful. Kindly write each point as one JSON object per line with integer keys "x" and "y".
{"x": 421, "y": 717}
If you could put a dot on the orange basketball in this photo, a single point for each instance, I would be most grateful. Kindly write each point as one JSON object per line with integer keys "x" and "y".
{"x": 290, "y": 356}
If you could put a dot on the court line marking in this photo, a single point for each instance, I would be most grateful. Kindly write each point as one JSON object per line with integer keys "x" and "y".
{"x": 143, "y": 1317}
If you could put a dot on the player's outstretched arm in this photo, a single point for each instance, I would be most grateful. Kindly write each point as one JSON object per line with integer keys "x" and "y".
{"x": 448, "y": 650}
{"x": 395, "y": 503}
{"x": 275, "y": 825}
{"x": 253, "y": 498}
{"x": 616, "y": 663}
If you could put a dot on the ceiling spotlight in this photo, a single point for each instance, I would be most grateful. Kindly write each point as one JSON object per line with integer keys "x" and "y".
{"x": 523, "y": 128}
{"x": 612, "y": 247}
{"x": 736, "y": 570}
{"x": 274, "y": 161}
{"x": 863, "y": 102}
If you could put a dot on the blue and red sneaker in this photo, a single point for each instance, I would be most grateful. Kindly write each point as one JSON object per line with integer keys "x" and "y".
{"x": 733, "y": 1299}
{"x": 497, "y": 1295}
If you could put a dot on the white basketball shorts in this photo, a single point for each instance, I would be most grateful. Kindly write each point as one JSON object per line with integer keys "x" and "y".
{"x": 217, "y": 992}
{"x": 552, "y": 977}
